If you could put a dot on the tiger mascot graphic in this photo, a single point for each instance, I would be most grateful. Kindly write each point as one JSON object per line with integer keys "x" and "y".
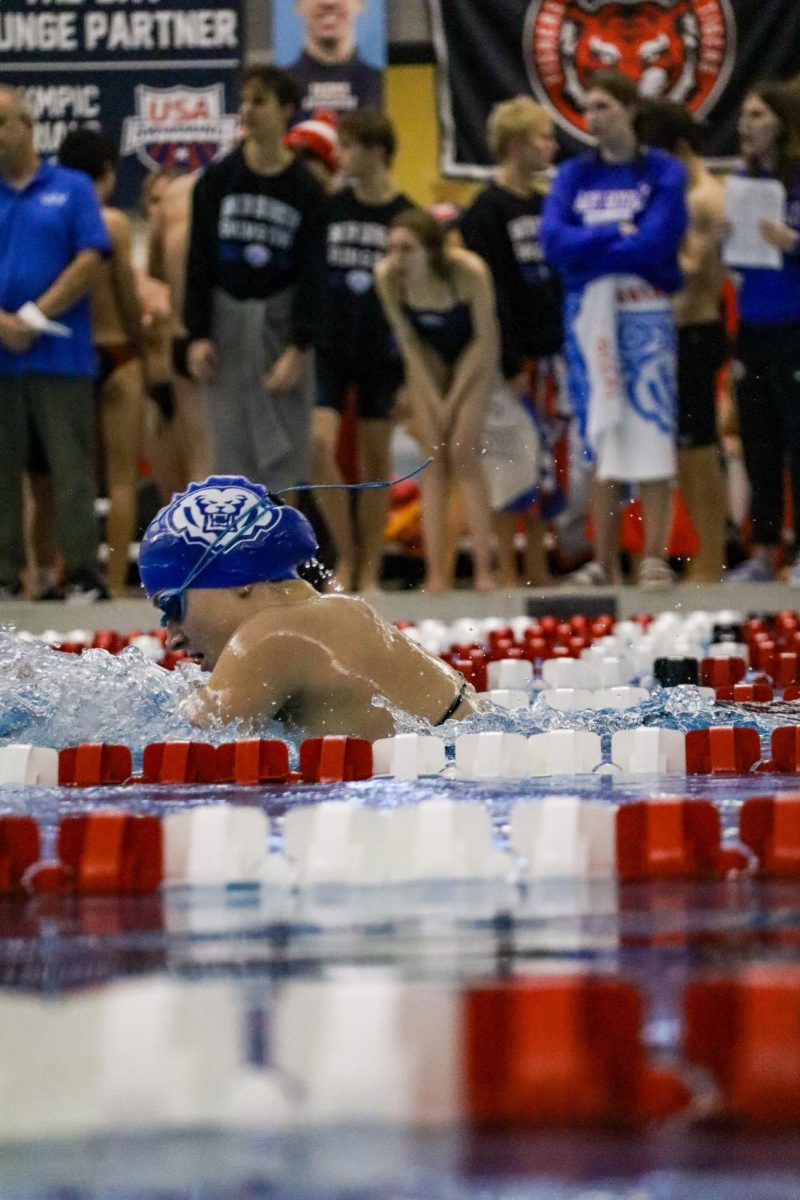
{"x": 681, "y": 50}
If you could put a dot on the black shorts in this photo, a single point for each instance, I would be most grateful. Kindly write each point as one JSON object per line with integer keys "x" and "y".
{"x": 702, "y": 351}
{"x": 375, "y": 388}
{"x": 180, "y": 357}
{"x": 163, "y": 396}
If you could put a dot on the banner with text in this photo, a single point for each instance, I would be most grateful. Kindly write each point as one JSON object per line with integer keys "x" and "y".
{"x": 702, "y": 53}
{"x": 159, "y": 77}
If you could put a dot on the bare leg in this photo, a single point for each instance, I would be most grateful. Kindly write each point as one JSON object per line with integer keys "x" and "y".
{"x": 703, "y": 485}
{"x": 121, "y": 417}
{"x": 434, "y": 495}
{"x": 42, "y": 549}
{"x": 334, "y": 505}
{"x": 434, "y": 490}
{"x": 537, "y": 568}
{"x": 162, "y": 452}
{"x": 464, "y": 454}
{"x": 655, "y": 496}
{"x": 505, "y": 525}
{"x": 373, "y": 505}
{"x": 605, "y": 501}
{"x": 190, "y": 430}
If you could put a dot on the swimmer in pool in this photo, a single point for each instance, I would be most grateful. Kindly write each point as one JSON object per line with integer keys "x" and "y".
{"x": 220, "y": 562}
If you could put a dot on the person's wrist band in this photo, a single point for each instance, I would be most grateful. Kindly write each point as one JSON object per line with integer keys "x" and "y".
{"x": 33, "y": 317}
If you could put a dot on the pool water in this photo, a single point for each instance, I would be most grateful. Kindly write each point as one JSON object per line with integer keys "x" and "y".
{"x": 311, "y": 1042}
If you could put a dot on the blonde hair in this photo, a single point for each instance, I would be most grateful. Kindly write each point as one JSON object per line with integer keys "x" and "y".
{"x": 511, "y": 119}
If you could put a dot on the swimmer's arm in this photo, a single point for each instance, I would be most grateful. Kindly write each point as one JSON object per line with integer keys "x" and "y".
{"x": 247, "y": 684}
{"x": 74, "y": 282}
{"x": 155, "y": 249}
{"x": 478, "y": 364}
{"x": 123, "y": 281}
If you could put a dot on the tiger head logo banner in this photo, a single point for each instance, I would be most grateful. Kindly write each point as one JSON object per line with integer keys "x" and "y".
{"x": 677, "y": 49}
{"x": 701, "y": 53}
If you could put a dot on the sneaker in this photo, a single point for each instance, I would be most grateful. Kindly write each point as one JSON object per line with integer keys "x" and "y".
{"x": 590, "y": 575}
{"x": 793, "y": 578}
{"x": 754, "y": 570}
{"x": 655, "y": 574}
{"x": 10, "y": 591}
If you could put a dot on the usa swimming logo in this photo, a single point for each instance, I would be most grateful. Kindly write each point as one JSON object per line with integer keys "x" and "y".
{"x": 183, "y": 127}
{"x": 206, "y": 515}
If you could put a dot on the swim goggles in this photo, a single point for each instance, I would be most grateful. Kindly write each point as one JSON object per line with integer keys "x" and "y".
{"x": 172, "y": 604}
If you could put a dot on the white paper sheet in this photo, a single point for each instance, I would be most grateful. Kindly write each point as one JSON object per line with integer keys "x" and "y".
{"x": 747, "y": 203}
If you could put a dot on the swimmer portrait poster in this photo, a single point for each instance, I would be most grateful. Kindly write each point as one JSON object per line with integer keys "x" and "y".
{"x": 334, "y": 49}
{"x": 160, "y": 79}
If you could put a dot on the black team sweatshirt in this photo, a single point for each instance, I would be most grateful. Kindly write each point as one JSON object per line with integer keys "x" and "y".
{"x": 253, "y": 236}
{"x": 504, "y": 229}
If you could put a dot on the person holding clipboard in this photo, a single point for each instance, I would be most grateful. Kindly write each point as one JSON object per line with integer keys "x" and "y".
{"x": 768, "y": 348}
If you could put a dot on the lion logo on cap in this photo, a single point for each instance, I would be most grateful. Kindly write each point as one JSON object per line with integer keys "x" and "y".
{"x": 206, "y": 515}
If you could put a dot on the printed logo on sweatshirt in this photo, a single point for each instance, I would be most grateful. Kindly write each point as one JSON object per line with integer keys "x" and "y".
{"x": 258, "y": 221}
{"x": 599, "y": 206}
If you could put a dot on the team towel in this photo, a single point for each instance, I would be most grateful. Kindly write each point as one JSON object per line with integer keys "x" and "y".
{"x": 621, "y": 361}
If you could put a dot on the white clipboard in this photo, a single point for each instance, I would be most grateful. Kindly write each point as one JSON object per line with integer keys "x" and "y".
{"x": 747, "y": 203}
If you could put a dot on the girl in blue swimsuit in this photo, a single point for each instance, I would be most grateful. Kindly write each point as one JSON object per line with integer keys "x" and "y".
{"x": 440, "y": 305}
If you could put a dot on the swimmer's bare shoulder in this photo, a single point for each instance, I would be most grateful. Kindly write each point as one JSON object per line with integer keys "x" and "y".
{"x": 284, "y": 658}
{"x": 272, "y": 657}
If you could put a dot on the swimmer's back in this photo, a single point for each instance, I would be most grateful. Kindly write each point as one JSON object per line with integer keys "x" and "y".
{"x": 333, "y": 654}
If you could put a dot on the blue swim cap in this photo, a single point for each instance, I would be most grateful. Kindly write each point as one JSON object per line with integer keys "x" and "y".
{"x": 225, "y": 532}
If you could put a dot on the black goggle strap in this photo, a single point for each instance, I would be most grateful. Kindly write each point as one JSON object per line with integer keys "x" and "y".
{"x": 229, "y": 537}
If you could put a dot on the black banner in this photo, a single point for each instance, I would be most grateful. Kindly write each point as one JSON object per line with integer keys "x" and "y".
{"x": 159, "y": 76}
{"x": 703, "y": 53}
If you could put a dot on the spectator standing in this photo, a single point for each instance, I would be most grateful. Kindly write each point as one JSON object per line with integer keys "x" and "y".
{"x": 118, "y": 337}
{"x": 613, "y": 223}
{"x": 702, "y": 339}
{"x": 440, "y": 305}
{"x": 253, "y": 291}
{"x": 357, "y": 350}
{"x": 768, "y": 345}
{"x": 182, "y": 446}
{"x": 503, "y": 227}
{"x": 52, "y": 241}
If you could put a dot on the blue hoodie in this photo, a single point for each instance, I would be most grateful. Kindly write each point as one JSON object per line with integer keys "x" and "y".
{"x": 588, "y": 201}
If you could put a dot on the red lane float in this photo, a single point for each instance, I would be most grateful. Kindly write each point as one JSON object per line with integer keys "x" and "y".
{"x": 672, "y": 839}
{"x": 561, "y": 1052}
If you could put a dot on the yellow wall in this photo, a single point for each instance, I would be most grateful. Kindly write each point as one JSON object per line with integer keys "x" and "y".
{"x": 411, "y": 103}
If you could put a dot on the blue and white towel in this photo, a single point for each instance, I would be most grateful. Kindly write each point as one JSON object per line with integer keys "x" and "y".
{"x": 621, "y": 361}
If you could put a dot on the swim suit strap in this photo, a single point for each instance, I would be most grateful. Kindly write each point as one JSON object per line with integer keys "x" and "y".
{"x": 454, "y": 703}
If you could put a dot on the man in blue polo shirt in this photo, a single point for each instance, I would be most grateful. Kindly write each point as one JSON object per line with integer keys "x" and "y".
{"x": 52, "y": 240}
